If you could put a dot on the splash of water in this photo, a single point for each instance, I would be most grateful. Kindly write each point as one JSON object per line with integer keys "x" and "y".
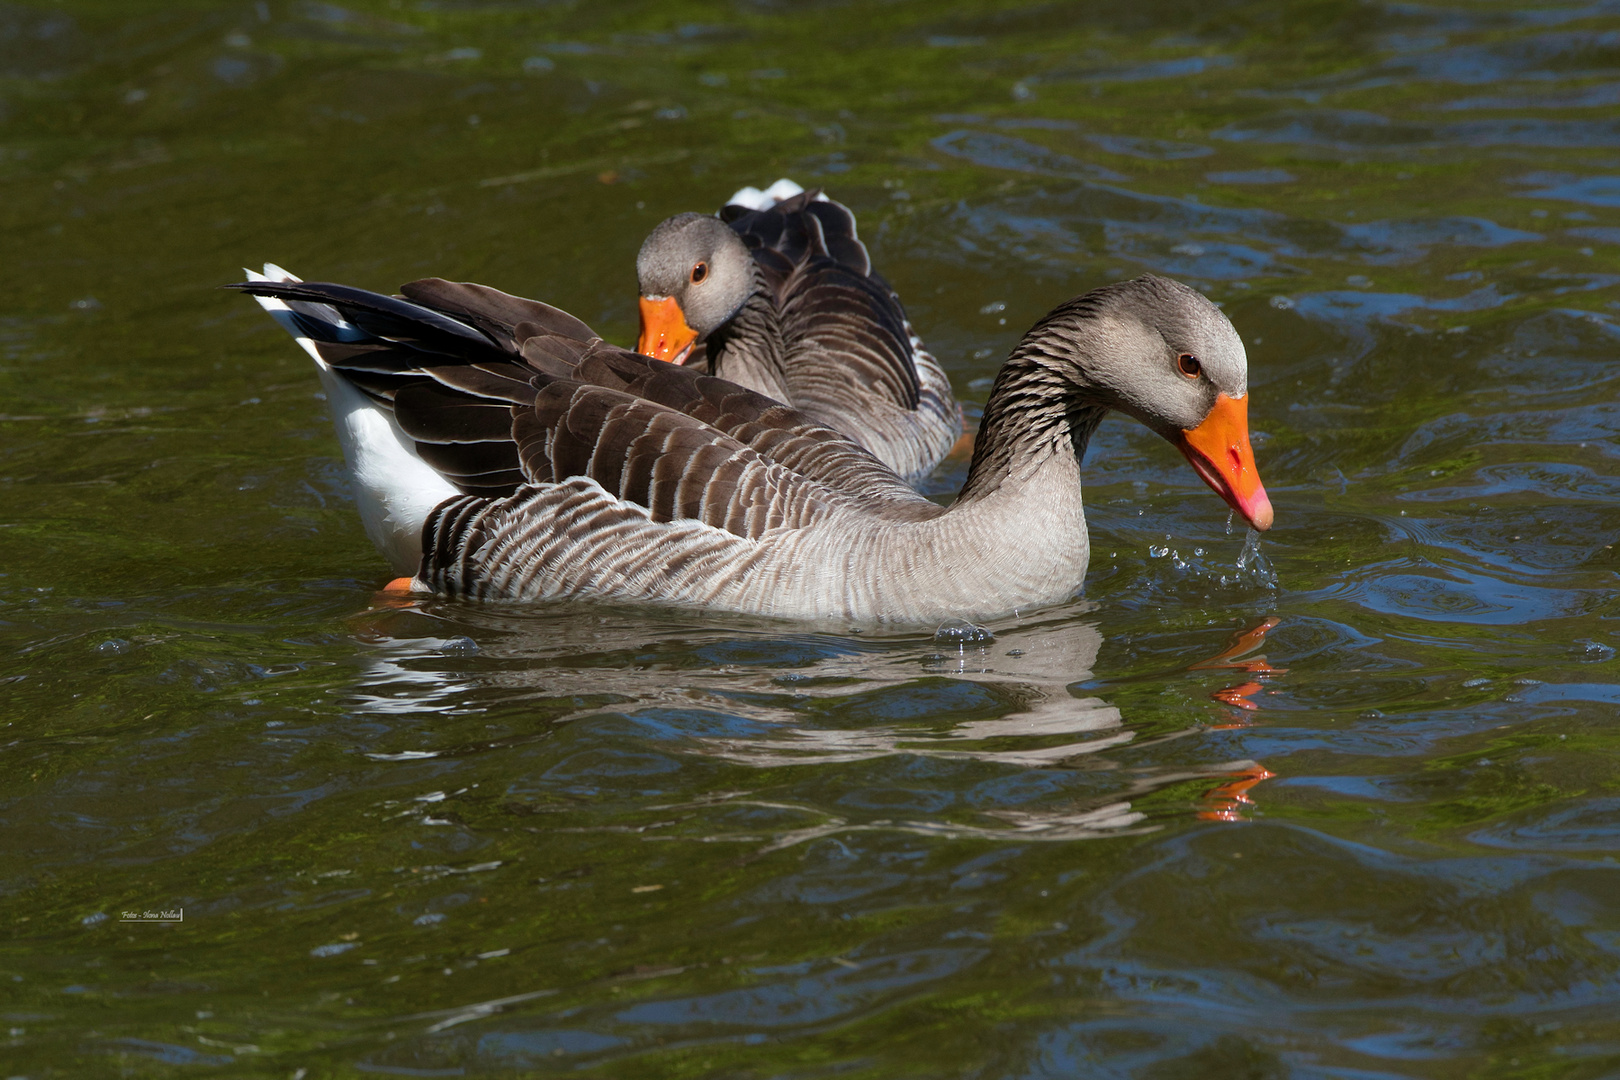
{"x": 1158, "y": 551}
{"x": 1252, "y": 567}
{"x": 1252, "y": 561}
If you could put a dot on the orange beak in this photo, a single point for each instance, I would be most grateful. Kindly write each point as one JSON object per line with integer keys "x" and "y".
{"x": 1219, "y": 450}
{"x": 664, "y": 333}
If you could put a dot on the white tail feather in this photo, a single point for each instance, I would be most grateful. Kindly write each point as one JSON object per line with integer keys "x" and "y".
{"x": 782, "y": 190}
{"x": 395, "y": 489}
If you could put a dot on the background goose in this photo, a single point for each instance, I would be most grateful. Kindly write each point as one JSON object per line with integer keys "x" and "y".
{"x": 502, "y": 451}
{"x": 778, "y": 294}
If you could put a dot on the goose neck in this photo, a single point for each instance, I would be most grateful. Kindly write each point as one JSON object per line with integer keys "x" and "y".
{"x": 1037, "y": 410}
{"x": 747, "y": 348}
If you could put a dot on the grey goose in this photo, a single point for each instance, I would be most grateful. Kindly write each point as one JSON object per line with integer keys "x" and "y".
{"x": 777, "y": 293}
{"x": 502, "y": 451}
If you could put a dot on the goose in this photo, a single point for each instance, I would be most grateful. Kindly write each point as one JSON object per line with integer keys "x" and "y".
{"x": 777, "y": 293}
{"x": 502, "y": 451}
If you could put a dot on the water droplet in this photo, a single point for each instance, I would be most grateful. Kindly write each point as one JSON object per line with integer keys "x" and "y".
{"x": 960, "y": 632}
{"x": 1591, "y": 652}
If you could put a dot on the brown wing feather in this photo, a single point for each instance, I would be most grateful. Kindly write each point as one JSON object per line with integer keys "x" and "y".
{"x": 674, "y": 465}
{"x": 839, "y": 236}
{"x": 773, "y": 430}
{"x": 828, "y": 310}
{"x": 510, "y": 383}
{"x": 495, "y": 312}
{"x": 832, "y": 306}
{"x": 519, "y": 393}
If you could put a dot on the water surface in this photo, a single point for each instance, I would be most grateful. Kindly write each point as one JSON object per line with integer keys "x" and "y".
{"x": 1349, "y": 808}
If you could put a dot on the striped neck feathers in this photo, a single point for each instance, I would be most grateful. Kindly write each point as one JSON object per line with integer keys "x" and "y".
{"x": 747, "y": 348}
{"x": 1040, "y": 405}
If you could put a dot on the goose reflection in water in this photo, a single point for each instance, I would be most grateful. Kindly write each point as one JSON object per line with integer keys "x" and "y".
{"x": 1231, "y": 798}
{"x": 595, "y": 660}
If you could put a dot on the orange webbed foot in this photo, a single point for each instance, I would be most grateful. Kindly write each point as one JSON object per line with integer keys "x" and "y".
{"x": 962, "y": 449}
{"x": 397, "y": 594}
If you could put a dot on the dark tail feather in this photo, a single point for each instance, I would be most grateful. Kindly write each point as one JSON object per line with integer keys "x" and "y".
{"x": 370, "y": 313}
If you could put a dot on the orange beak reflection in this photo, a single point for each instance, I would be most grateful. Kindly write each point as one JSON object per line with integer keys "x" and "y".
{"x": 1219, "y": 450}
{"x": 664, "y": 333}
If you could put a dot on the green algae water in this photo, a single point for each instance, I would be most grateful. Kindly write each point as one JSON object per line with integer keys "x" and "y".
{"x": 1343, "y": 804}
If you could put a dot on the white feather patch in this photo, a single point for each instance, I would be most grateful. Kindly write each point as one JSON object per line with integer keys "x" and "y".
{"x": 781, "y": 191}
{"x": 394, "y": 488}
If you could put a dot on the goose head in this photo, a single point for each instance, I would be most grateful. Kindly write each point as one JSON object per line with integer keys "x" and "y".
{"x": 695, "y": 273}
{"x": 1161, "y": 352}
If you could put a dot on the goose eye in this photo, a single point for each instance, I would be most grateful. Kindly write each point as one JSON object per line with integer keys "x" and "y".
{"x": 699, "y": 272}
{"x": 1189, "y": 365}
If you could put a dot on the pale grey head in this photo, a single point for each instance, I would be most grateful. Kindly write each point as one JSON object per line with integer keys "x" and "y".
{"x": 1161, "y": 352}
{"x": 1153, "y": 348}
{"x": 698, "y": 262}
